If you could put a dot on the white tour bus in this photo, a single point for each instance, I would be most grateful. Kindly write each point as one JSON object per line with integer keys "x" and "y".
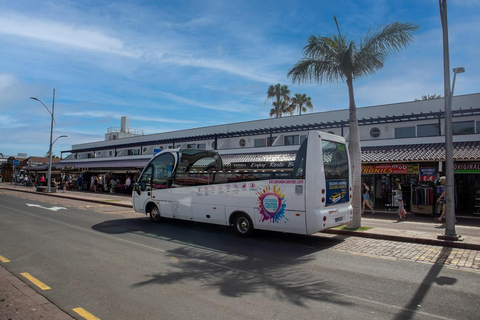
{"x": 306, "y": 195}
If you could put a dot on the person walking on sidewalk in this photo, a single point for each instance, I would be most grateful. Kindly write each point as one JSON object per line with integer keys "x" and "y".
{"x": 442, "y": 200}
{"x": 366, "y": 199}
{"x": 402, "y": 213}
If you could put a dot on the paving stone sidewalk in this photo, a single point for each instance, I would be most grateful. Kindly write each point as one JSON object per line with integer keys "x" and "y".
{"x": 19, "y": 302}
{"x": 464, "y": 259}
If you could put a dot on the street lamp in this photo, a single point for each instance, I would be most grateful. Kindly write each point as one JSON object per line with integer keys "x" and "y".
{"x": 62, "y": 136}
{"x": 450, "y": 233}
{"x": 49, "y": 175}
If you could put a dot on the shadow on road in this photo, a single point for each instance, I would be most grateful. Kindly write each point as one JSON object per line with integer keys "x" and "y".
{"x": 213, "y": 257}
{"x": 431, "y": 278}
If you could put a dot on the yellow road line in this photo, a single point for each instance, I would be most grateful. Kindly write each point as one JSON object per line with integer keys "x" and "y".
{"x": 35, "y": 281}
{"x": 84, "y": 313}
{"x": 3, "y": 259}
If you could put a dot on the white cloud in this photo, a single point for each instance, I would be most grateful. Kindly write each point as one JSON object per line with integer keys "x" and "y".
{"x": 64, "y": 34}
{"x": 170, "y": 51}
{"x": 220, "y": 107}
{"x": 107, "y": 114}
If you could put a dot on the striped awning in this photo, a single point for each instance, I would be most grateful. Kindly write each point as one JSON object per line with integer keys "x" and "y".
{"x": 462, "y": 151}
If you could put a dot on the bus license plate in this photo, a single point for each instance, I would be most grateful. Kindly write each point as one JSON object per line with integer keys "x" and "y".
{"x": 338, "y": 219}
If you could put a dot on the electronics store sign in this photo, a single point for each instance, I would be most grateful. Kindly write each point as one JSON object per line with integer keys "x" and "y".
{"x": 466, "y": 167}
{"x": 390, "y": 169}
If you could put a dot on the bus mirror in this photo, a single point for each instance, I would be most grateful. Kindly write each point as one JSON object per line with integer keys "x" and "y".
{"x": 136, "y": 187}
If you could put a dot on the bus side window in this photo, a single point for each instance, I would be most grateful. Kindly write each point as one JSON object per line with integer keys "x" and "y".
{"x": 299, "y": 164}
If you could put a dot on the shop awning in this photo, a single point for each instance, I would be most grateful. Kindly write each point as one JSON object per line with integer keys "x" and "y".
{"x": 462, "y": 151}
{"x": 432, "y": 152}
{"x": 107, "y": 164}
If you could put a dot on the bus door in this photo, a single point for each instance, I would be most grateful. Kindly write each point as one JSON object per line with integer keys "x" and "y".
{"x": 142, "y": 192}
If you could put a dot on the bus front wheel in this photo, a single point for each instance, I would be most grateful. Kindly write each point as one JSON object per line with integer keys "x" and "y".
{"x": 155, "y": 214}
{"x": 243, "y": 225}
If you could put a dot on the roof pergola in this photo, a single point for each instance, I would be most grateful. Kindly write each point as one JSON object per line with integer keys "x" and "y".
{"x": 284, "y": 129}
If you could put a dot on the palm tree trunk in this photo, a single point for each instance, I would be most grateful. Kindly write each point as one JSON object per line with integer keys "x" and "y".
{"x": 355, "y": 159}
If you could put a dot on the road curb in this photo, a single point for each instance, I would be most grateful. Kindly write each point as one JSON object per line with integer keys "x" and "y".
{"x": 442, "y": 243}
{"x": 72, "y": 198}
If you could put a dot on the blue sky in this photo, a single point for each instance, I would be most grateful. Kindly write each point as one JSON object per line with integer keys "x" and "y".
{"x": 172, "y": 65}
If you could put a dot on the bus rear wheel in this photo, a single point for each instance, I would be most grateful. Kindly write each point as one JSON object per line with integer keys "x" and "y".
{"x": 243, "y": 225}
{"x": 155, "y": 214}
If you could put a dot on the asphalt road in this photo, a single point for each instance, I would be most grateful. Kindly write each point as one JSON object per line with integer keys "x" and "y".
{"x": 125, "y": 267}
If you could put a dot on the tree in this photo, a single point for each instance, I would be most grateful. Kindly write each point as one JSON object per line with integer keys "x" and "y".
{"x": 430, "y": 97}
{"x": 279, "y": 108}
{"x": 300, "y": 101}
{"x": 334, "y": 58}
{"x": 281, "y": 96}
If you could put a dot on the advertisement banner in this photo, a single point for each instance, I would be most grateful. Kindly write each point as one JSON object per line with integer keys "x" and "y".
{"x": 466, "y": 167}
{"x": 337, "y": 192}
{"x": 390, "y": 169}
{"x": 262, "y": 165}
{"x": 427, "y": 174}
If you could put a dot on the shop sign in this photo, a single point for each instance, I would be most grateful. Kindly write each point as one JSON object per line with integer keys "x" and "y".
{"x": 427, "y": 174}
{"x": 466, "y": 167}
{"x": 390, "y": 169}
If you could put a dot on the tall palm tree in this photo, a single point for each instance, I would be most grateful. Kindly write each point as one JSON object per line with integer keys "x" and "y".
{"x": 281, "y": 96}
{"x": 333, "y": 58}
{"x": 279, "y": 108}
{"x": 301, "y": 101}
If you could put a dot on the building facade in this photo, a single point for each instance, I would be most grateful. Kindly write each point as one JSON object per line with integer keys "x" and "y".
{"x": 402, "y": 148}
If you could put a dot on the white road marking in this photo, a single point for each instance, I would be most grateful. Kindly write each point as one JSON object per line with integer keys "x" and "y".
{"x": 51, "y": 209}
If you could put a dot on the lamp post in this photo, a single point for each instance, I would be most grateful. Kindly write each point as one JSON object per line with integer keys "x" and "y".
{"x": 62, "y": 136}
{"x": 49, "y": 175}
{"x": 450, "y": 233}
{"x": 449, "y": 186}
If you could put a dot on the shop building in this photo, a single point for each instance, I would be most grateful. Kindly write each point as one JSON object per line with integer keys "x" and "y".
{"x": 402, "y": 148}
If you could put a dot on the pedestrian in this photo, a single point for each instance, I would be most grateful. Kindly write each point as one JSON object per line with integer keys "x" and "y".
{"x": 95, "y": 184}
{"x": 100, "y": 183}
{"x": 80, "y": 182}
{"x": 442, "y": 200}
{"x": 64, "y": 183}
{"x": 128, "y": 183}
{"x": 402, "y": 213}
{"x": 42, "y": 180}
{"x": 366, "y": 199}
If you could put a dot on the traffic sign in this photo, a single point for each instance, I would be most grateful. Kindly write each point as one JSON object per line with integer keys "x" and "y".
{"x": 16, "y": 162}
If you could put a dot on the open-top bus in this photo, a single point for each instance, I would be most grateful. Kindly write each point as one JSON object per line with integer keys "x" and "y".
{"x": 309, "y": 193}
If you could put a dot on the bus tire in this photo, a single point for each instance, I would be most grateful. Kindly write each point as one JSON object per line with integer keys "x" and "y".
{"x": 243, "y": 225}
{"x": 155, "y": 214}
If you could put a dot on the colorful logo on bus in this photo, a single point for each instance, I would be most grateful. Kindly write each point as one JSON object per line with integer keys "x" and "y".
{"x": 271, "y": 203}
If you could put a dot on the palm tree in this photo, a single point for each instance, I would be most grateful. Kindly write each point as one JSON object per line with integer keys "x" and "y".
{"x": 281, "y": 96}
{"x": 333, "y": 58}
{"x": 279, "y": 108}
{"x": 301, "y": 101}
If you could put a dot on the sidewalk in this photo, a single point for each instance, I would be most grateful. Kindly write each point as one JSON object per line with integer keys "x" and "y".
{"x": 382, "y": 225}
{"x": 19, "y": 301}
